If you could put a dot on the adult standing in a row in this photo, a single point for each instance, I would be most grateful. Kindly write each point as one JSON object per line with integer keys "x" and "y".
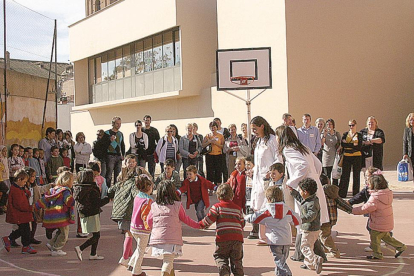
{"x": 351, "y": 143}
{"x": 116, "y": 150}
{"x": 153, "y": 138}
{"x": 47, "y": 143}
{"x": 226, "y": 134}
{"x": 331, "y": 141}
{"x": 138, "y": 142}
{"x": 408, "y": 138}
{"x": 100, "y": 149}
{"x": 190, "y": 147}
{"x": 373, "y": 144}
{"x": 83, "y": 151}
{"x": 309, "y": 135}
{"x": 234, "y": 147}
{"x": 167, "y": 147}
{"x": 213, "y": 158}
{"x": 200, "y": 160}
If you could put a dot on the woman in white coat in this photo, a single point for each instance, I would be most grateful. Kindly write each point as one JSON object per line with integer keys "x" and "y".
{"x": 265, "y": 154}
{"x": 301, "y": 163}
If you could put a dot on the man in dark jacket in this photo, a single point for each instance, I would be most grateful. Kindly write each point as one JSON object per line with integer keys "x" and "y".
{"x": 153, "y": 138}
{"x": 100, "y": 149}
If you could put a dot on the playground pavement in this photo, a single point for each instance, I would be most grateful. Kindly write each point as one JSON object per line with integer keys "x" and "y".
{"x": 199, "y": 246}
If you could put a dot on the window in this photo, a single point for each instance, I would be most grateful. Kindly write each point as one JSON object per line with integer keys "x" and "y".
{"x": 104, "y": 67}
{"x": 97, "y": 5}
{"x": 98, "y": 70}
{"x": 177, "y": 47}
{"x": 157, "y": 52}
{"x": 139, "y": 57}
{"x": 168, "y": 50}
{"x": 119, "y": 64}
{"x": 91, "y": 73}
{"x": 111, "y": 65}
{"x": 148, "y": 54}
{"x": 127, "y": 60}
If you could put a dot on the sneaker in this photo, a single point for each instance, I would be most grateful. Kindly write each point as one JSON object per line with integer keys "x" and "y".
{"x": 123, "y": 261}
{"x": 78, "y": 252}
{"x": 303, "y": 266}
{"x": 34, "y": 241}
{"x": 318, "y": 266}
{"x": 368, "y": 249}
{"x": 96, "y": 257}
{"x": 252, "y": 236}
{"x": 373, "y": 258}
{"x": 398, "y": 253}
{"x": 261, "y": 243}
{"x": 28, "y": 250}
{"x": 14, "y": 244}
{"x": 58, "y": 253}
{"x": 296, "y": 260}
{"x": 49, "y": 246}
{"x": 336, "y": 255}
{"x": 82, "y": 235}
{"x": 6, "y": 243}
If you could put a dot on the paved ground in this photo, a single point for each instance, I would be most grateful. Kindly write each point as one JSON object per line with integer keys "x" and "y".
{"x": 199, "y": 247}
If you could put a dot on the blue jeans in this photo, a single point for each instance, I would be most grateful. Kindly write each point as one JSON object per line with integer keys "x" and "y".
{"x": 189, "y": 161}
{"x": 113, "y": 165}
{"x": 199, "y": 208}
{"x": 280, "y": 254}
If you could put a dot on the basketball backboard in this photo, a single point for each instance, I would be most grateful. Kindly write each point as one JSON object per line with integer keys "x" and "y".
{"x": 247, "y": 62}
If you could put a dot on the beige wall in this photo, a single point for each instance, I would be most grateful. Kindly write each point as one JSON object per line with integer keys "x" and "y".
{"x": 242, "y": 24}
{"x": 124, "y": 22}
{"x": 80, "y": 69}
{"x": 353, "y": 59}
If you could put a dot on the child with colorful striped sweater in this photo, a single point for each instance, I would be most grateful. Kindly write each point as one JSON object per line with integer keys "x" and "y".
{"x": 229, "y": 233}
{"x": 58, "y": 204}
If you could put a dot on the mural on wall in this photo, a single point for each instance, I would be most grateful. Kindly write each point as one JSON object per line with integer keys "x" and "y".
{"x": 24, "y": 120}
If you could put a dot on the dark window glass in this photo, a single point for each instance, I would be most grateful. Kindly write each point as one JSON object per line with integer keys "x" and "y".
{"x": 104, "y": 67}
{"x": 157, "y": 52}
{"x": 139, "y": 57}
{"x": 126, "y": 60}
{"x": 148, "y": 54}
{"x": 111, "y": 65}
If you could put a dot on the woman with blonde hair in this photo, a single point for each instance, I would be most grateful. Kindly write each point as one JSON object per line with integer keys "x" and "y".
{"x": 373, "y": 139}
{"x": 83, "y": 151}
{"x": 408, "y": 138}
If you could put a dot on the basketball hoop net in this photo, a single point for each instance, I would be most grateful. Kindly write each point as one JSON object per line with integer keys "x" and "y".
{"x": 242, "y": 80}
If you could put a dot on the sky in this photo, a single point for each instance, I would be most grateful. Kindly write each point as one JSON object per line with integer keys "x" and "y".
{"x": 30, "y": 32}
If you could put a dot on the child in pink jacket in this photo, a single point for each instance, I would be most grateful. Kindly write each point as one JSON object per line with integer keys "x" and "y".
{"x": 165, "y": 219}
{"x": 381, "y": 219}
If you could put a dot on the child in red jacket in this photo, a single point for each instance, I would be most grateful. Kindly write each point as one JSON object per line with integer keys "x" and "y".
{"x": 196, "y": 188}
{"x": 237, "y": 182}
{"x": 19, "y": 212}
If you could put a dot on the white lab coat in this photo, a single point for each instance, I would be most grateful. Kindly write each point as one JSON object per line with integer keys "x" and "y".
{"x": 300, "y": 167}
{"x": 265, "y": 154}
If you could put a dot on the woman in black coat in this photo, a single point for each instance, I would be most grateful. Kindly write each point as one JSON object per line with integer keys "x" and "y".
{"x": 373, "y": 140}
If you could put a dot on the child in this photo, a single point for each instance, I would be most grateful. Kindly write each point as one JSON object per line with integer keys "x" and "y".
{"x": 254, "y": 234}
{"x": 66, "y": 159}
{"x": 28, "y": 152}
{"x": 165, "y": 219}
{"x": 364, "y": 194}
{"x": 19, "y": 212}
{"x": 196, "y": 188}
{"x": 310, "y": 214}
{"x": 41, "y": 159}
{"x": 381, "y": 219}
{"x": 55, "y": 161}
{"x": 229, "y": 232}
{"x": 278, "y": 218}
{"x": 88, "y": 203}
{"x": 169, "y": 174}
{"x": 15, "y": 162}
{"x": 4, "y": 173}
{"x": 139, "y": 226}
{"x": 36, "y": 193}
{"x": 21, "y": 151}
{"x": 237, "y": 182}
{"x": 58, "y": 204}
{"x": 99, "y": 179}
{"x": 123, "y": 193}
{"x": 277, "y": 173}
{"x": 333, "y": 201}
{"x": 34, "y": 163}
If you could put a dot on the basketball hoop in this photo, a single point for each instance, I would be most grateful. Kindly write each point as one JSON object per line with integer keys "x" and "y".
{"x": 242, "y": 80}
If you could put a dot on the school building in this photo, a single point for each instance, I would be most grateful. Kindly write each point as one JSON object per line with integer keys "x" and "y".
{"x": 333, "y": 59}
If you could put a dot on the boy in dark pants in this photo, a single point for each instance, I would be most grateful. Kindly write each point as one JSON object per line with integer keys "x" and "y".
{"x": 278, "y": 218}
{"x": 229, "y": 233}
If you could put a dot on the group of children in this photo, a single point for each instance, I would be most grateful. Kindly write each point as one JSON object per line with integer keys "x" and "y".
{"x": 157, "y": 221}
